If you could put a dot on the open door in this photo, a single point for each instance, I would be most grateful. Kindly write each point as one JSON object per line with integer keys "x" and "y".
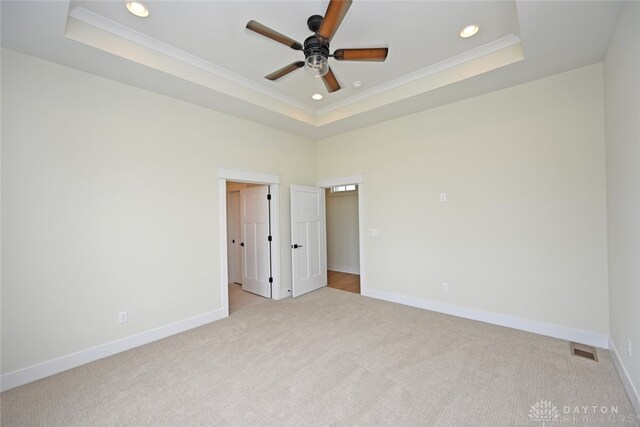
{"x": 308, "y": 245}
{"x": 256, "y": 259}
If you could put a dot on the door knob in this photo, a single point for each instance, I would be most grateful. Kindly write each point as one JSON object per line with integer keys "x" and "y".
{"x": 242, "y": 244}
{"x": 296, "y": 246}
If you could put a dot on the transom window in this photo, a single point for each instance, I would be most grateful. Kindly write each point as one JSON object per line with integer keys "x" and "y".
{"x": 343, "y": 188}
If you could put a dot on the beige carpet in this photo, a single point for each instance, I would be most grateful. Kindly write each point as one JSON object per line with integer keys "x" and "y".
{"x": 330, "y": 357}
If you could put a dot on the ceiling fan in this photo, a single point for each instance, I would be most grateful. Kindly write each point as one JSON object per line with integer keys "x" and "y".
{"x": 316, "y": 47}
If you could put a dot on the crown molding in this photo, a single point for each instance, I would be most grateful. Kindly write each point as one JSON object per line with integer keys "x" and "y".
{"x": 480, "y": 51}
{"x": 95, "y": 20}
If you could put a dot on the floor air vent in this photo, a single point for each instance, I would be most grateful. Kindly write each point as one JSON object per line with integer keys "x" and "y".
{"x": 582, "y": 350}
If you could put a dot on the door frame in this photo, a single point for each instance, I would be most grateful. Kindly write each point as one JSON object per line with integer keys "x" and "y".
{"x": 238, "y": 175}
{"x": 362, "y": 231}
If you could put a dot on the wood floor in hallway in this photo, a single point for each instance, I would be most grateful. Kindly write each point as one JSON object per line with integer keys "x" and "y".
{"x": 343, "y": 281}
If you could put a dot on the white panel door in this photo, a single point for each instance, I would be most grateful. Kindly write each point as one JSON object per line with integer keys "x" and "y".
{"x": 254, "y": 208}
{"x": 234, "y": 237}
{"x": 308, "y": 240}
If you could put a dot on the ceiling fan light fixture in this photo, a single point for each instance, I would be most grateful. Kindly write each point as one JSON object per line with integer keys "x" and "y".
{"x": 317, "y": 65}
{"x": 316, "y": 47}
{"x": 469, "y": 31}
{"x": 138, "y": 9}
{"x": 316, "y": 56}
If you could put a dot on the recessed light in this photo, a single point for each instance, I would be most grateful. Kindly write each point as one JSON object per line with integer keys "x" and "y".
{"x": 469, "y": 31}
{"x": 317, "y": 96}
{"x": 357, "y": 84}
{"x": 138, "y": 9}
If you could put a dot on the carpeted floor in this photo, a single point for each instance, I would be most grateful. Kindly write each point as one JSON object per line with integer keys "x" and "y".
{"x": 332, "y": 357}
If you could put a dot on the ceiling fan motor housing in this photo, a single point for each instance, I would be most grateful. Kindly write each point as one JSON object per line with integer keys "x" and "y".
{"x": 314, "y": 46}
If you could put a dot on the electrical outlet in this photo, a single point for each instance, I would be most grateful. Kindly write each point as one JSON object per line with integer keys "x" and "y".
{"x": 373, "y": 232}
{"x": 445, "y": 286}
{"x": 443, "y": 197}
{"x": 629, "y": 347}
{"x": 123, "y": 317}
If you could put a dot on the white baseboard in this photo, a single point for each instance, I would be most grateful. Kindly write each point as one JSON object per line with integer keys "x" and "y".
{"x": 63, "y": 363}
{"x": 343, "y": 269}
{"x": 570, "y": 334}
{"x": 631, "y": 389}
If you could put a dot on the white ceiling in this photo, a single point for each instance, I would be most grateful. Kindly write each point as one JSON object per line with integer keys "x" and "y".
{"x": 201, "y": 52}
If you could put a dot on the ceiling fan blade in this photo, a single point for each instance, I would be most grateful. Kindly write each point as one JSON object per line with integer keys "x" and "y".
{"x": 272, "y": 34}
{"x": 373, "y": 54}
{"x": 331, "y": 82}
{"x": 284, "y": 70}
{"x": 334, "y": 15}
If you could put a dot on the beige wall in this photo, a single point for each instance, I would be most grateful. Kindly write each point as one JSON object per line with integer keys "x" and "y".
{"x": 343, "y": 252}
{"x": 523, "y": 232}
{"x": 110, "y": 203}
{"x": 622, "y": 105}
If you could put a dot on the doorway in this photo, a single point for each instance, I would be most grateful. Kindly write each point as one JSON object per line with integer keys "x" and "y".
{"x": 249, "y": 243}
{"x": 343, "y": 238}
{"x": 248, "y": 235}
